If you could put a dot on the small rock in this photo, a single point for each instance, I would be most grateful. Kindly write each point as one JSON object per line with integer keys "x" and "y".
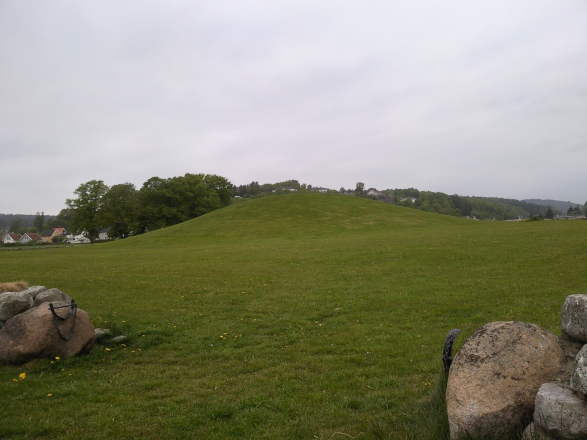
{"x": 560, "y": 412}
{"x": 52, "y": 295}
{"x": 119, "y": 339}
{"x": 101, "y": 333}
{"x": 579, "y": 377}
{"x": 574, "y": 317}
{"x": 13, "y": 303}
{"x": 35, "y": 290}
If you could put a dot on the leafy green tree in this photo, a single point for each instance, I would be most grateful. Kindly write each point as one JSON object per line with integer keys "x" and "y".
{"x": 120, "y": 210}
{"x": 165, "y": 202}
{"x": 359, "y": 188}
{"x": 221, "y": 186}
{"x": 63, "y": 220}
{"x": 549, "y": 213}
{"x": 86, "y": 208}
{"x": 39, "y": 222}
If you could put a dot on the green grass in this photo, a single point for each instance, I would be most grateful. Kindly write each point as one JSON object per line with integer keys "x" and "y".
{"x": 301, "y": 316}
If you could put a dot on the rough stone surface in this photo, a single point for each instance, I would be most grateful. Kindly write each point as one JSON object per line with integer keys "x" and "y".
{"x": 579, "y": 377}
{"x": 14, "y": 286}
{"x": 560, "y": 412}
{"x": 571, "y": 349}
{"x": 574, "y": 317}
{"x": 533, "y": 433}
{"x": 12, "y": 303}
{"x": 102, "y": 333}
{"x": 35, "y": 290}
{"x": 34, "y": 334}
{"x": 494, "y": 378}
{"x": 52, "y": 295}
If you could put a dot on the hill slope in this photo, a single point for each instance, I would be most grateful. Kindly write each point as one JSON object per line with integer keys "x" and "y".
{"x": 293, "y": 216}
{"x": 293, "y": 317}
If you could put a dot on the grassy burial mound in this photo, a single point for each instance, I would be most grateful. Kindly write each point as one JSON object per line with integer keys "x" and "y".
{"x": 292, "y": 316}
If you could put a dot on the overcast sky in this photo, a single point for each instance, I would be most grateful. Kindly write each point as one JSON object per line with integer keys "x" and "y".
{"x": 468, "y": 97}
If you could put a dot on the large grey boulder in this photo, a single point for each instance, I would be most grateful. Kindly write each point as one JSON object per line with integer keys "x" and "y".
{"x": 37, "y": 333}
{"x": 35, "y": 290}
{"x": 494, "y": 378}
{"x": 560, "y": 412}
{"x": 574, "y": 317}
{"x": 579, "y": 377}
{"x": 12, "y": 303}
{"x": 52, "y": 295}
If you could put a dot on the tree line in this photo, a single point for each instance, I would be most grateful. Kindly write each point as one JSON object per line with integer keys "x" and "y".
{"x": 464, "y": 206}
{"x": 21, "y": 223}
{"x": 124, "y": 210}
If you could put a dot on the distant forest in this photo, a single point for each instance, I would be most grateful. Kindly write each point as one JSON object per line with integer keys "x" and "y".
{"x": 27, "y": 223}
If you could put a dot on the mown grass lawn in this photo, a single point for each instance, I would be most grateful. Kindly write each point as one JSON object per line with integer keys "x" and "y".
{"x": 302, "y": 316}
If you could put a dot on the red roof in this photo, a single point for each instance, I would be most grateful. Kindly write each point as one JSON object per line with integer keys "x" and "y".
{"x": 15, "y": 236}
{"x": 33, "y": 236}
{"x": 58, "y": 231}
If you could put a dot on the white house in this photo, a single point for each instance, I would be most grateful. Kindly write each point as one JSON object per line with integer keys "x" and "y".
{"x": 103, "y": 236}
{"x": 77, "y": 239}
{"x": 11, "y": 238}
{"x": 29, "y": 237}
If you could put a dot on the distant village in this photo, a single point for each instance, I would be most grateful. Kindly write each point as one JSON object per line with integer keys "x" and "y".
{"x": 53, "y": 236}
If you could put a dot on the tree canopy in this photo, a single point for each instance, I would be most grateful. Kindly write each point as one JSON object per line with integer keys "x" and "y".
{"x": 123, "y": 210}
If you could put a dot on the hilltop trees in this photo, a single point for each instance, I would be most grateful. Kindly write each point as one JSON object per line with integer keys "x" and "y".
{"x": 124, "y": 210}
{"x": 168, "y": 201}
{"x": 254, "y": 189}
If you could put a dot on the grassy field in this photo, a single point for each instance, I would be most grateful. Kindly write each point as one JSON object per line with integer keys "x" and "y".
{"x": 302, "y": 316}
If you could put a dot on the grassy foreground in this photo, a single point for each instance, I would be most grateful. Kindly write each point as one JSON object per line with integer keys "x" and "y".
{"x": 302, "y": 316}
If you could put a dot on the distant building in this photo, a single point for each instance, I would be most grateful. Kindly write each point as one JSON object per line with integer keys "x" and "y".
{"x": 29, "y": 237}
{"x": 77, "y": 239}
{"x": 11, "y": 238}
{"x": 58, "y": 232}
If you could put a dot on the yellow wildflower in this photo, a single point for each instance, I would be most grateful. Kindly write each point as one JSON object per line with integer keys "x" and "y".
{"x": 57, "y": 358}
{"x": 22, "y": 376}
{"x": 50, "y": 395}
